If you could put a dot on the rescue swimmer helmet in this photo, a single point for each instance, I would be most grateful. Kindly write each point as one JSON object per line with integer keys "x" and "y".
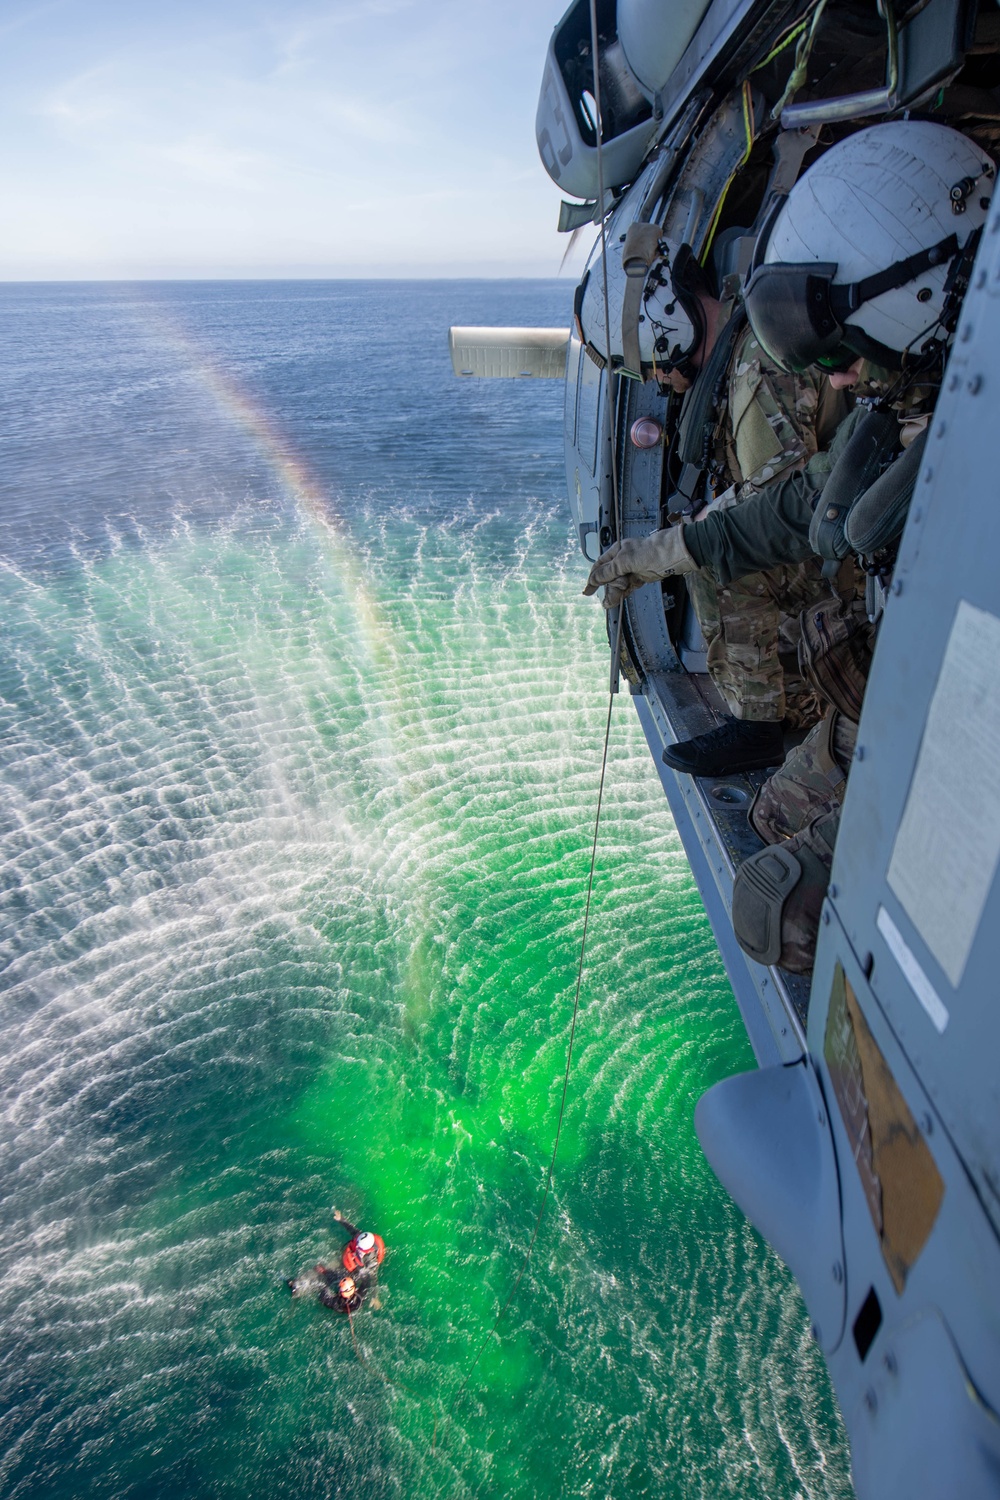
{"x": 862, "y": 257}
{"x": 346, "y": 1286}
{"x": 365, "y": 1242}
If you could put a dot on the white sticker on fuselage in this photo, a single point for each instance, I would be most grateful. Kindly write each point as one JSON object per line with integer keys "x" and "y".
{"x": 948, "y": 842}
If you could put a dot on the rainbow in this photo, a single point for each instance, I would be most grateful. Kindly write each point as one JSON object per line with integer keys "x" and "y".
{"x": 308, "y": 494}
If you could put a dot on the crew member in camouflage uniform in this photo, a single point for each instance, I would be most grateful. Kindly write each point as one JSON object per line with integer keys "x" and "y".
{"x": 772, "y": 423}
{"x": 827, "y": 295}
{"x": 769, "y": 424}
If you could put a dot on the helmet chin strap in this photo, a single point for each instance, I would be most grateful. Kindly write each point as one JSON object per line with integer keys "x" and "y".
{"x": 927, "y": 361}
{"x": 847, "y": 299}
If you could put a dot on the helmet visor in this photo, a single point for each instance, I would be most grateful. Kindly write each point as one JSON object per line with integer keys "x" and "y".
{"x": 790, "y": 308}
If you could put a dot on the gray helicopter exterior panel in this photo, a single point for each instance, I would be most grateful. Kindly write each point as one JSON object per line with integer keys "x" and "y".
{"x": 914, "y": 873}
{"x": 918, "y": 1398}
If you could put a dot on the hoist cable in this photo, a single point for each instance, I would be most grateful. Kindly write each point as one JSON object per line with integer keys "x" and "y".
{"x": 569, "y": 1061}
{"x": 615, "y": 660}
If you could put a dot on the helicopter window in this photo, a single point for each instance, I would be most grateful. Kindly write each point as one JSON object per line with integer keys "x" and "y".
{"x": 587, "y": 411}
{"x": 844, "y": 57}
{"x": 588, "y": 106}
{"x": 624, "y": 103}
{"x": 573, "y": 358}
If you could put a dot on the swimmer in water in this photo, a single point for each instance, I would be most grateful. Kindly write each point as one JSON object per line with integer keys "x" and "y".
{"x": 344, "y": 1295}
{"x": 364, "y": 1251}
{"x": 333, "y": 1286}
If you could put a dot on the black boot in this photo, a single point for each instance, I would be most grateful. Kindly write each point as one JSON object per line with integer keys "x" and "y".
{"x": 737, "y": 745}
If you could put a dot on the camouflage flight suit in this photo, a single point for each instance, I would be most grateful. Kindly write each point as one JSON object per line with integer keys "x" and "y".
{"x": 772, "y": 424}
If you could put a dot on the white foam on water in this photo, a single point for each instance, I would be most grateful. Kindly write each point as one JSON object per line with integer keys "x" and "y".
{"x": 238, "y": 847}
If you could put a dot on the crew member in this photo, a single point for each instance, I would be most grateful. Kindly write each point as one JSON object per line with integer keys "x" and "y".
{"x": 770, "y": 423}
{"x": 868, "y": 261}
{"x": 364, "y": 1251}
{"x": 895, "y": 211}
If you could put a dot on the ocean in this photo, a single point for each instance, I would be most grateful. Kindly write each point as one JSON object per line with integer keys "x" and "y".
{"x": 301, "y": 715}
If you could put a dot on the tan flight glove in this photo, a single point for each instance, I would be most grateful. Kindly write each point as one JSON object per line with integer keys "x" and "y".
{"x": 639, "y": 559}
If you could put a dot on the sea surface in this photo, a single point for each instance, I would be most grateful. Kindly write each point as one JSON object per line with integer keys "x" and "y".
{"x": 301, "y": 714}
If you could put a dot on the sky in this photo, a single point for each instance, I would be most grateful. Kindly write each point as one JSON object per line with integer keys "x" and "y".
{"x": 250, "y": 138}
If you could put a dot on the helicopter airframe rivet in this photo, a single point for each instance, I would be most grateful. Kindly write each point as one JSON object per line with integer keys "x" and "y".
{"x": 897, "y": 587}
{"x": 975, "y": 385}
{"x": 826, "y": 917}
{"x": 821, "y": 1117}
{"x": 859, "y": 753}
{"x": 889, "y": 1360}
{"x": 838, "y": 1272}
{"x": 833, "y": 893}
{"x": 871, "y": 1400}
{"x": 981, "y": 279}
{"x": 953, "y": 383}
{"x": 926, "y": 1123}
{"x": 940, "y": 430}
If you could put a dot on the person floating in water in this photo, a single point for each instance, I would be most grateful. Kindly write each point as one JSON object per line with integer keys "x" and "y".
{"x": 341, "y": 1293}
{"x": 344, "y": 1288}
{"x": 364, "y": 1251}
{"x": 334, "y": 1287}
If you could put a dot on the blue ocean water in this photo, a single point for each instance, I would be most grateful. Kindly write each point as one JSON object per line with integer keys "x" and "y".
{"x": 300, "y": 727}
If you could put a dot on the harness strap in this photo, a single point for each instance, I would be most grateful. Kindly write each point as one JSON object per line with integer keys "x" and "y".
{"x": 639, "y": 252}
{"x": 825, "y": 758}
{"x": 698, "y": 421}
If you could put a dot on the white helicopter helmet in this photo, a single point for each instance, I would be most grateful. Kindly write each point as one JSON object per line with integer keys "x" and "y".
{"x": 674, "y": 326}
{"x": 863, "y": 255}
{"x": 661, "y": 282}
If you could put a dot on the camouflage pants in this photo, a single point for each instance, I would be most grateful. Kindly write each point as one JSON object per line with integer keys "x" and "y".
{"x": 751, "y": 630}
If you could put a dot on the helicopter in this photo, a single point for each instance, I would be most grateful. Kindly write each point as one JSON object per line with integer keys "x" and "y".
{"x": 865, "y": 1147}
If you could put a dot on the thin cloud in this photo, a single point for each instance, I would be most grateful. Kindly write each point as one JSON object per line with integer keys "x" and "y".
{"x": 205, "y": 160}
{"x": 235, "y": 135}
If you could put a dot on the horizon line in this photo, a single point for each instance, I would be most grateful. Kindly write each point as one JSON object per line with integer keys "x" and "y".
{"x": 257, "y": 280}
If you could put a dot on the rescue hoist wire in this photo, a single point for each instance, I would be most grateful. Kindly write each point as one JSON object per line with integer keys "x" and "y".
{"x": 566, "y": 1074}
{"x": 615, "y": 660}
